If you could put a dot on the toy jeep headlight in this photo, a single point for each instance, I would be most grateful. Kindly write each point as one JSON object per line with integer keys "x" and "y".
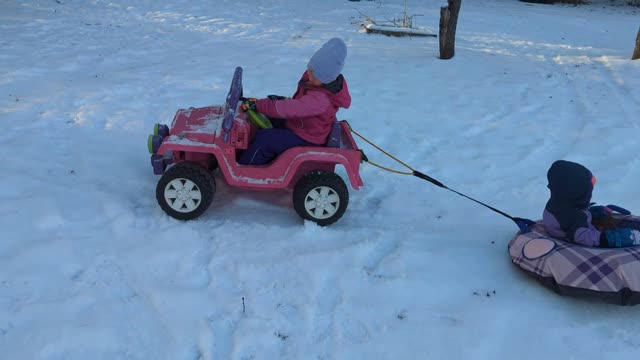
{"x": 153, "y": 143}
{"x": 161, "y": 129}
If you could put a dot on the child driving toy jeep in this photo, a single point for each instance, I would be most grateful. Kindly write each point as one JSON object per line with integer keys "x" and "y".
{"x": 305, "y": 119}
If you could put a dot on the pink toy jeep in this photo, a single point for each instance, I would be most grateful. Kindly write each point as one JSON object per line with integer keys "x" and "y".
{"x": 201, "y": 140}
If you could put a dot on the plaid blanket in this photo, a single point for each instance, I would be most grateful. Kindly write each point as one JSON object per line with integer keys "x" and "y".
{"x": 576, "y": 266}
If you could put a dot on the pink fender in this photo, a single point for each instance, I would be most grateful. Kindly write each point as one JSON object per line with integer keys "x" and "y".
{"x": 289, "y": 166}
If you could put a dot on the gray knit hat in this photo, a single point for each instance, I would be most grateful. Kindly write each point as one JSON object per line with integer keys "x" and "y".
{"x": 327, "y": 62}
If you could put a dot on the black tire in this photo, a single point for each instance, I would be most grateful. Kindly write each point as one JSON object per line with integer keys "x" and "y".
{"x": 321, "y": 196}
{"x": 185, "y": 191}
{"x": 213, "y": 163}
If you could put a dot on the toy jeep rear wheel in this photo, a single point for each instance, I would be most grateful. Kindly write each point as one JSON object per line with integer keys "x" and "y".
{"x": 185, "y": 191}
{"x": 321, "y": 196}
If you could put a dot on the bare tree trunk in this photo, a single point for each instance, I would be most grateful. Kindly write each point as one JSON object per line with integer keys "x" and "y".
{"x": 636, "y": 51}
{"x": 448, "y": 23}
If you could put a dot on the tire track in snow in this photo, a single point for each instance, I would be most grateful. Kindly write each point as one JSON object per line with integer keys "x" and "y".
{"x": 599, "y": 102}
{"x": 573, "y": 131}
{"x": 224, "y": 327}
{"x": 629, "y": 117}
{"x": 379, "y": 252}
{"x": 323, "y": 327}
{"x": 115, "y": 289}
{"x": 620, "y": 91}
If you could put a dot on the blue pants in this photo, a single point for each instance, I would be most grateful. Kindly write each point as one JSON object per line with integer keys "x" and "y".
{"x": 270, "y": 143}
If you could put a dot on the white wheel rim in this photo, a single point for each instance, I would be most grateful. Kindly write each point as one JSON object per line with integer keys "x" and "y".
{"x": 182, "y": 195}
{"x": 322, "y": 202}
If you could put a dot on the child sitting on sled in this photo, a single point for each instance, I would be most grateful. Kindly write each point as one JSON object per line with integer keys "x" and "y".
{"x": 569, "y": 213}
{"x": 307, "y": 118}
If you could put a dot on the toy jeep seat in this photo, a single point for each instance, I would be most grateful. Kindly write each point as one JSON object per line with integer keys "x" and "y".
{"x": 334, "y": 140}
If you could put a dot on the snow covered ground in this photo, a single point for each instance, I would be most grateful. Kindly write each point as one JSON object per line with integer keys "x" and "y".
{"x": 91, "y": 268}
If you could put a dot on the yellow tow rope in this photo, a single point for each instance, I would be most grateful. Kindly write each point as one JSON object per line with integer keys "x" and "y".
{"x": 386, "y": 153}
{"x": 522, "y": 223}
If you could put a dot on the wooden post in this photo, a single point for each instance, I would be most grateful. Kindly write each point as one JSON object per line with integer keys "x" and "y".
{"x": 448, "y": 23}
{"x": 636, "y": 51}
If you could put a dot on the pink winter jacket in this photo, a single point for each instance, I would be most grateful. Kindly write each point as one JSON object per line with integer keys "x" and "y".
{"x": 311, "y": 111}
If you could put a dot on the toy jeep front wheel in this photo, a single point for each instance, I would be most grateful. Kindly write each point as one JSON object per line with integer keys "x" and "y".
{"x": 185, "y": 191}
{"x": 321, "y": 196}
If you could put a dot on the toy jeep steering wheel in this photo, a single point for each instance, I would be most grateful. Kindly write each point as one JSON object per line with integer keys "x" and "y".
{"x": 259, "y": 120}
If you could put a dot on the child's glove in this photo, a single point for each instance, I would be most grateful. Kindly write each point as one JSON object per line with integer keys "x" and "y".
{"x": 605, "y": 223}
{"x": 619, "y": 209}
{"x": 622, "y": 237}
{"x": 600, "y": 211}
{"x": 249, "y": 103}
{"x": 276, "y": 97}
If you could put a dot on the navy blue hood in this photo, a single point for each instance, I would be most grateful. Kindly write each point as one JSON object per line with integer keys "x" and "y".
{"x": 571, "y": 190}
{"x": 570, "y": 185}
